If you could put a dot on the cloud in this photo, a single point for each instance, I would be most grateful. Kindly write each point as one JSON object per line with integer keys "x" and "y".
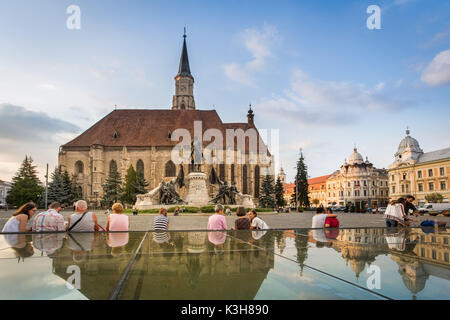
{"x": 259, "y": 43}
{"x": 20, "y": 124}
{"x": 47, "y": 86}
{"x": 437, "y": 72}
{"x": 309, "y": 101}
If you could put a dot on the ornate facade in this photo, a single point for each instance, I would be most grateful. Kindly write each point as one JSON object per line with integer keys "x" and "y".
{"x": 317, "y": 188}
{"x": 418, "y": 173}
{"x": 143, "y": 138}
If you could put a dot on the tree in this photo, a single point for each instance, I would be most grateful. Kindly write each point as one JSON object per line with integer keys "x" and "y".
{"x": 293, "y": 200}
{"x": 301, "y": 244}
{"x": 112, "y": 189}
{"x": 434, "y": 198}
{"x": 129, "y": 190}
{"x": 279, "y": 193}
{"x": 75, "y": 189}
{"x": 59, "y": 189}
{"x": 301, "y": 183}
{"x": 26, "y": 185}
{"x": 267, "y": 193}
{"x": 141, "y": 183}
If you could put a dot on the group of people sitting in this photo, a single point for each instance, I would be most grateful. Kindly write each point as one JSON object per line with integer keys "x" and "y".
{"x": 51, "y": 220}
{"x": 398, "y": 212}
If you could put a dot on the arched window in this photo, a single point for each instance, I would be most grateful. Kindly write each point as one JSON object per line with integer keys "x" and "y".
{"x": 79, "y": 167}
{"x": 232, "y": 173}
{"x": 244, "y": 179}
{"x": 256, "y": 181}
{"x": 183, "y": 107}
{"x": 222, "y": 172}
{"x": 112, "y": 166}
{"x": 80, "y": 191}
{"x": 170, "y": 170}
{"x": 140, "y": 166}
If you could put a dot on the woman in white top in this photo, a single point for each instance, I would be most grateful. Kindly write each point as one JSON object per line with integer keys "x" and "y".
{"x": 18, "y": 222}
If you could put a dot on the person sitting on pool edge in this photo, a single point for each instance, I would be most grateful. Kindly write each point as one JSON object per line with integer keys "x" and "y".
{"x": 242, "y": 222}
{"x": 257, "y": 223}
{"x": 318, "y": 220}
{"x": 331, "y": 222}
{"x": 117, "y": 221}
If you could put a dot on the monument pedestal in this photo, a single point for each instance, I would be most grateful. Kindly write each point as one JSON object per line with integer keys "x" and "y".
{"x": 197, "y": 194}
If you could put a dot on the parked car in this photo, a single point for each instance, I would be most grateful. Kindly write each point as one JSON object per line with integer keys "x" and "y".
{"x": 382, "y": 210}
{"x": 434, "y": 208}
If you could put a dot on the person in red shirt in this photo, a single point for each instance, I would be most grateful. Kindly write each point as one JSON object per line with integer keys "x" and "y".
{"x": 331, "y": 222}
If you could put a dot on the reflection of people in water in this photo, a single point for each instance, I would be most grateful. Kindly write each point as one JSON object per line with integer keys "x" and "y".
{"x": 21, "y": 247}
{"x": 81, "y": 244}
{"x": 319, "y": 236}
{"x": 117, "y": 241}
{"x": 194, "y": 269}
{"x": 48, "y": 243}
{"x": 217, "y": 238}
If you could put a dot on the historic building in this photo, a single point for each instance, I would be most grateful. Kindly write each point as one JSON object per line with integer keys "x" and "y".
{"x": 4, "y": 189}
{"x": 317, "y": 190}
{"x": 419, "y": 173}
{"x": 358, "y": 182}
{"x": 143, "y": 138}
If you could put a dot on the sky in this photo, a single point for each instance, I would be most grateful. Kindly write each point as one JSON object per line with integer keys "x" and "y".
{"x": 311, "y": 69}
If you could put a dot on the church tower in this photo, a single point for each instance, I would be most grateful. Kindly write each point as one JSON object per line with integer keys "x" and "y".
{"x": 184, "y": 83}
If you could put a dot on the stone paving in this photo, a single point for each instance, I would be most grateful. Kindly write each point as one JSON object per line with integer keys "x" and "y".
{"x": 144, "y": 222}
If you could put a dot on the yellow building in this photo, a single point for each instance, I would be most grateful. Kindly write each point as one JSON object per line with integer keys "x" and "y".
{"x": 417, "y": 173}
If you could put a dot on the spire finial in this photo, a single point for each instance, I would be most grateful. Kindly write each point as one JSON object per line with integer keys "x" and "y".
{"x": 184, "y": 35}
{"x": 407, "y": 131}
{"x": 250, "y": 106}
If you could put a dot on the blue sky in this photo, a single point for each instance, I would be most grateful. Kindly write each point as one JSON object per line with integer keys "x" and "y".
{"x": 311, "y": 69}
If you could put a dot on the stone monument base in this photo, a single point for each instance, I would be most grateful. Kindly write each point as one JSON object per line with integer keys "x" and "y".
{"x": 197, "y": 194}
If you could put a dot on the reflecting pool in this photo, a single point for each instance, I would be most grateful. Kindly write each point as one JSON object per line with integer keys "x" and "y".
{"x": 364, "y": 263}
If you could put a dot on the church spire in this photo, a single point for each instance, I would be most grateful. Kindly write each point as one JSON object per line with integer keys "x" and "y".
{"x": 184, "y": 69}
{"x": 184, "y": 83}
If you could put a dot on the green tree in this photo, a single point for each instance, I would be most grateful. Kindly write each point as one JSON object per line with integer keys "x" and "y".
{"x": 141, "y": 183}
{"x": 301, "y": 183}
{"x": 293, "y": 200}
{"x": 75, "y": 189}
{"x": 129, "y": 189}
{"x": 26, "y": 185}
{"x": 267, "y": 193}
{"x": 112, "y": 189}
{"x": 434, "y": 198}
{"x": 301, "y": 244}
{"x": 59, "y": 189}
{"x": 279, "y": 193}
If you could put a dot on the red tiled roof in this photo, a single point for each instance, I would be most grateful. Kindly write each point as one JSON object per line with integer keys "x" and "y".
{"x": 317, "y": 180}
{"x": 144, "y": 128}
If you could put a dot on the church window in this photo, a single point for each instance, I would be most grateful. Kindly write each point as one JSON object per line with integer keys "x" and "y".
{"x": 256, "y": 181}
{"x": 112, "y": 166}
{"x": 140, "y": 166}
{"x": 183, "y": 107}
{"x": 115, "y": 135}
{"x": 244, "y": 179}
{"x": 170, "y": 170}
{"x": 79, "y": 167}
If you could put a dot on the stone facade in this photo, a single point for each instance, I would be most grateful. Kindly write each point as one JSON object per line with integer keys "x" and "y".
{"x": 143, "y": 139}
{"x": 417, "y": 173}
{"x": 4, "y": 189}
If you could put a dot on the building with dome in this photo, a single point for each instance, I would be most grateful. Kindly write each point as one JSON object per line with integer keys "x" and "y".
{"x": 144, "y": 138}
{"x": 419, "y": 173}
{"x": 357, "y": 182}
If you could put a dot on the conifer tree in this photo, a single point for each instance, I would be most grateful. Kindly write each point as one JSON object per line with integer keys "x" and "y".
{"x": 112, "y": 188}
{"x": 279, "y": 193}
{"x": 129, "y": 190}
{"x": 141, "y": 183}
{"x": 301, "y": 183}
{"x": 267, "y": 193}
{"x": 26, "y": 185}
{"x": 75, "y": 190}
{"x": 59, "y": 189}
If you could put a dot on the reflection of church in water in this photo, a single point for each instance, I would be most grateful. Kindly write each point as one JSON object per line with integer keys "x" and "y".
{"x": 186, "y": 266}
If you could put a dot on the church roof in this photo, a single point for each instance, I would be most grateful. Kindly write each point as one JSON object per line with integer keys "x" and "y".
{"x": 145, "y": 128}
{"x": 184, "y": 69}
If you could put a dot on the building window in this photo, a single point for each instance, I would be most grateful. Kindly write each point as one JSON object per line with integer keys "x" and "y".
{"x": 232, "y": 173}
{"x": 404, "y": 176}
{"x": 381, "y": 192}
{"x": 419, "y": 174}
{"x": 256, "y": 181}
{"x": 365, "y": 193}
{"x": 393, "y": 189}
{"x": 430, "y": 172}
{"x": 79, "y": 167}
{"x": 392, "y": 178}
{"x": 420, "y": 187}
{"x": 222, "y": 172}
{"x": 403, "y": 188}
{"x": 443, "y": 186}
{"x": 433, "y": 254}
{"x": 441, "y": 171}
{"x": 446, "y": 256}
{"x": 365, "y": 183}
{"x": 244, "y": 179}
{"x": 140, "y": 166}
{"x": 348, "y": 185}
{"x": 170, "y": 169}
{"x": 422, "y": 252}
{"x": 431, "y": 186}
{"x": 112, "y": 166}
